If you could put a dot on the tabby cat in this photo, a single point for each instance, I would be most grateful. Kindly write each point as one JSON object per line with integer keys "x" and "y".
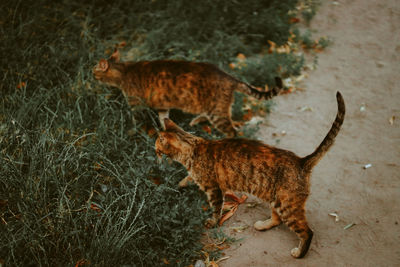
{"x": 274, "y": 175}
{"x": 193, "y": 87}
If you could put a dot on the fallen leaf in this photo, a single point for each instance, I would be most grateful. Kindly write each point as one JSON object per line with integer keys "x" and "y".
{"x": 241, "y": 56}
{"x": 227, "y": 215}
{"x": 156, "y": 180}
{"x": 248, "y": 115}
{"x": 252, "y": 205}
{"x": 165, "y": 261}
{"x": 284, "y": 49}
{"x": 305, "y": 108}
{"x": 207, "y": 129}
{"x": 272, "y": 46}
{"x": 294, "y": 20}
{"x": 333, "y": 214}
{"x": 121, "y": 44}
{"x": 301, "y": 77}
{"x": 21, "y": 84}
{"x": 82, "y": 262}
{"x": 212, "y": 264}
{"x": 232, "y": 195}
{"x": 95, "y": 207}
{"x": 239, "y": 229}
{"x": 289, "y": 90}
{"x": 348, "y": 226}
{"x": 231, "y": 206}
{"x": 97, "y": 165}
{"x": 222, "y": 259}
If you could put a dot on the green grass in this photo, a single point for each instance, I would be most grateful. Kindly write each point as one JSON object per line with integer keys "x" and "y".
{"x": 79, "y": 179}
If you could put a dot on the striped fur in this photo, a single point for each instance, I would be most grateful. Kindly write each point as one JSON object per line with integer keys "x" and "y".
{"x": 251, "y": 90}
{"x": 311, "y": 160}
{"x": 193, "y": 87}
{"x": 274, "y": 175}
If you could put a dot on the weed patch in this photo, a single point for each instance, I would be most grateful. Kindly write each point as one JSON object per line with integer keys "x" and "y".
{"x": 79, "y": 178}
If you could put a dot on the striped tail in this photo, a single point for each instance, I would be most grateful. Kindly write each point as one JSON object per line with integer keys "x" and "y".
{"x": 251, "y": 90}
{"x": 311, "y": 160}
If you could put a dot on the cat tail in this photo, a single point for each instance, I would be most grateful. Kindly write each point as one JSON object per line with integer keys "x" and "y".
{"x": 311, "y": 160}
{"x": 251, "y": 90}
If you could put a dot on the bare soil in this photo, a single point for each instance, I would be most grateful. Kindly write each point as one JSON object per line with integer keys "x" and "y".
{"x": 364, "y": 64}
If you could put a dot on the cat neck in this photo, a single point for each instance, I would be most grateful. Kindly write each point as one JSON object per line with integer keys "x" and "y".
{"x": 186, "y": 159}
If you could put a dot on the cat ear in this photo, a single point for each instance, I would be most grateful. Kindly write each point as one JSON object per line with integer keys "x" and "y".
{"x": 103, "y": 64}
{"x": 115, "y": 56}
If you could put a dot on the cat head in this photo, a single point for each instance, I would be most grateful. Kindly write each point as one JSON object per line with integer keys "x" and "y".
{"x": 175, "y": 142}
{"x": 109, "y": 71}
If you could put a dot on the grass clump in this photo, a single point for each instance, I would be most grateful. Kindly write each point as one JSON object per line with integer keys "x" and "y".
{"x": 79, "y": 178}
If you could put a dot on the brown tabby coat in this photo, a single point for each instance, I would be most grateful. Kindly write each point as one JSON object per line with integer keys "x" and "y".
{"x": 193, "y": 87}
{"x": 274, "y": 175}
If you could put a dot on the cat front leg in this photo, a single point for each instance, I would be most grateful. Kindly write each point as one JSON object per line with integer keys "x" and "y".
{"x": 215, "y": 199}
{"x": 268, "y": 224}
{"x": 162, "y": 114}
{"x": 184, "y": 182}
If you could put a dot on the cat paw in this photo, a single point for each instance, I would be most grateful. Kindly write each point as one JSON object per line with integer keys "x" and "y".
{"x": 184, "y": 182}
{"x": 262, "y": 225}
{"x": 265, "y": 225}
{"x": 295, "y": 252}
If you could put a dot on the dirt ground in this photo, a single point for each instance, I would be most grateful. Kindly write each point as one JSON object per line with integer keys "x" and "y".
{"x": 364, "y": 64}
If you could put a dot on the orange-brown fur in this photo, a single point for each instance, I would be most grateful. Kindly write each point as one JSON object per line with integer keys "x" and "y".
{"x": 193, "y": 87}
{"x": 276, "y": 176}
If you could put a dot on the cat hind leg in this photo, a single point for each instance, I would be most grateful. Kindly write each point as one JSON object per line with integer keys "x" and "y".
{"x": 198, "y": 119}
{"x": 294, "y": 217}
{"x": 215, "y": 199}
{"x": 223, "y": 124}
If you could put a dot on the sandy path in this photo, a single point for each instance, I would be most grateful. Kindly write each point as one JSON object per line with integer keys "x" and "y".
{"x": 364, "y": 64}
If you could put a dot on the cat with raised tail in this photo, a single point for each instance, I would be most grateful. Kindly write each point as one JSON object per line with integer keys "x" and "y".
{"x": 274, "y": 175}
{"x": 193, "y": 87}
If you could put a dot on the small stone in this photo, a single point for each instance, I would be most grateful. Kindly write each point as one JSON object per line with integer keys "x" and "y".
{"x": 380, "y": 64}
{"x": 199, "y": 263}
